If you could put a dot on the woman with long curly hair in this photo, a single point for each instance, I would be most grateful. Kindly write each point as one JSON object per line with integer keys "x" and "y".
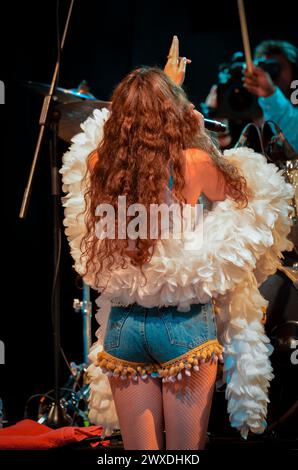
{"x": 158, "y": 343}
{"x": 152, "y": 127}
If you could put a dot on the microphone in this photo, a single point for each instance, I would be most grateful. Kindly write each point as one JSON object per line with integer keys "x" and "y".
{"x": 214, "y": 126}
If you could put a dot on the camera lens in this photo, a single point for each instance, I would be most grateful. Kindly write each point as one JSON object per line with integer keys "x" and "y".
{"x": 239, "y": 99}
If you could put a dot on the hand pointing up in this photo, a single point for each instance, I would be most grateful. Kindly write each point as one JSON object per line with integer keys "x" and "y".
{"x": 176, "y": 66}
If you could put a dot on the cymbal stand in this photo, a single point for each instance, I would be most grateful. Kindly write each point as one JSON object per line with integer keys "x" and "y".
{"x": 57, "y": 416}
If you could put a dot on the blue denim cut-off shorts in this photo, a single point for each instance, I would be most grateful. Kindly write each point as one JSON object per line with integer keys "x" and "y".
{"x": 160, "y": 341}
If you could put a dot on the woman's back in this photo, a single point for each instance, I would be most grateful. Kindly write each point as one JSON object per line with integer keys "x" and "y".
{"x": 201, "y": 176}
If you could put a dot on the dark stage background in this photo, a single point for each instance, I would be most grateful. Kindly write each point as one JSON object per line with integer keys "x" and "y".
{"x": 106, "y": 40}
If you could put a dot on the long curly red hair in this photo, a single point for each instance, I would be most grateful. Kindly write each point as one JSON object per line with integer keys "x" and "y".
{"x": 150, "y": 124}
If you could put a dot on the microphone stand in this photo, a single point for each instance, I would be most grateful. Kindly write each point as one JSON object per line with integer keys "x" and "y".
{"x": 57, "y": 416}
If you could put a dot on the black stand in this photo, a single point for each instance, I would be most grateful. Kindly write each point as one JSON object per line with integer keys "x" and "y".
{"x": 56, "y": 416}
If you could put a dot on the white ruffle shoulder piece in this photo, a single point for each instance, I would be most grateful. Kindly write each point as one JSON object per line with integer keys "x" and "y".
{"x": 240, "y": 249}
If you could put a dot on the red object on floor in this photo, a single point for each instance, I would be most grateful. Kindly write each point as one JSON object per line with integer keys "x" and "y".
{"x": 29, "y": 435}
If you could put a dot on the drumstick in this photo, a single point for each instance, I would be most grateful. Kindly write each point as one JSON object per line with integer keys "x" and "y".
{"x": 245, "y": 37}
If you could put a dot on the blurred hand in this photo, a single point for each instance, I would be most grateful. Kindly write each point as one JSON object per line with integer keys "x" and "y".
{"x": 211, "y": 100}
{"x": 259, "y": 82}
{"x": 176, "y": 66}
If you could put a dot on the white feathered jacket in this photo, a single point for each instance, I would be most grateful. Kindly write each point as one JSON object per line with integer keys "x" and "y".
{"x": 241, "y": 248}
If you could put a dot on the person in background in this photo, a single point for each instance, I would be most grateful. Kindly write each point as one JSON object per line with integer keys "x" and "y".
{"x": 274, "y": 97}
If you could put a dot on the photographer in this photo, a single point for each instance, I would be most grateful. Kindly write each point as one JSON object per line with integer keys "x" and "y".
{"x": 274, "y": 96}
{"x": 240, "y": 98}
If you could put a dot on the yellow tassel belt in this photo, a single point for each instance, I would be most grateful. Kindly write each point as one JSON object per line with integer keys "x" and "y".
{"x": 211, "y": 351}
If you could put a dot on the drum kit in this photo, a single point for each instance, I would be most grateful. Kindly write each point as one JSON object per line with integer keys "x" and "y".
{"x": 73, "y": 105}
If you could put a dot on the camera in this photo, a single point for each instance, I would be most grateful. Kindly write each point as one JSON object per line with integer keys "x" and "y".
{"x": 234, "y": 102}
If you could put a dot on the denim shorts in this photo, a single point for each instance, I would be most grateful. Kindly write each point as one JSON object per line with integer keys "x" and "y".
{"x": 160, "y": 341}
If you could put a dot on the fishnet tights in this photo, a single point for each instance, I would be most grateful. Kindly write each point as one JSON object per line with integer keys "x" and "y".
{"x": 148, "y": 408}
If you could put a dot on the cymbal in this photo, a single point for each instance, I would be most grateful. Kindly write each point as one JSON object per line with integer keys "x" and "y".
{"x": 73, "y": 114}
{"x": 62, "y": 95}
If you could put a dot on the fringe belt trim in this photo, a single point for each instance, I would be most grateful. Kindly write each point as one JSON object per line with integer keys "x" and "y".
{"x": 264, "y": 317}
{"x": 170, "y": 371}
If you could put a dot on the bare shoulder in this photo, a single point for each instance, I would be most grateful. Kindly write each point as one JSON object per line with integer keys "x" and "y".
{"x": 195, "y": 156}
{"x": 203, "y": 174}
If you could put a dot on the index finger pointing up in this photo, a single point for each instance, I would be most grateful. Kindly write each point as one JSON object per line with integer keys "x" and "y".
{"x": 174, "y": 51}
